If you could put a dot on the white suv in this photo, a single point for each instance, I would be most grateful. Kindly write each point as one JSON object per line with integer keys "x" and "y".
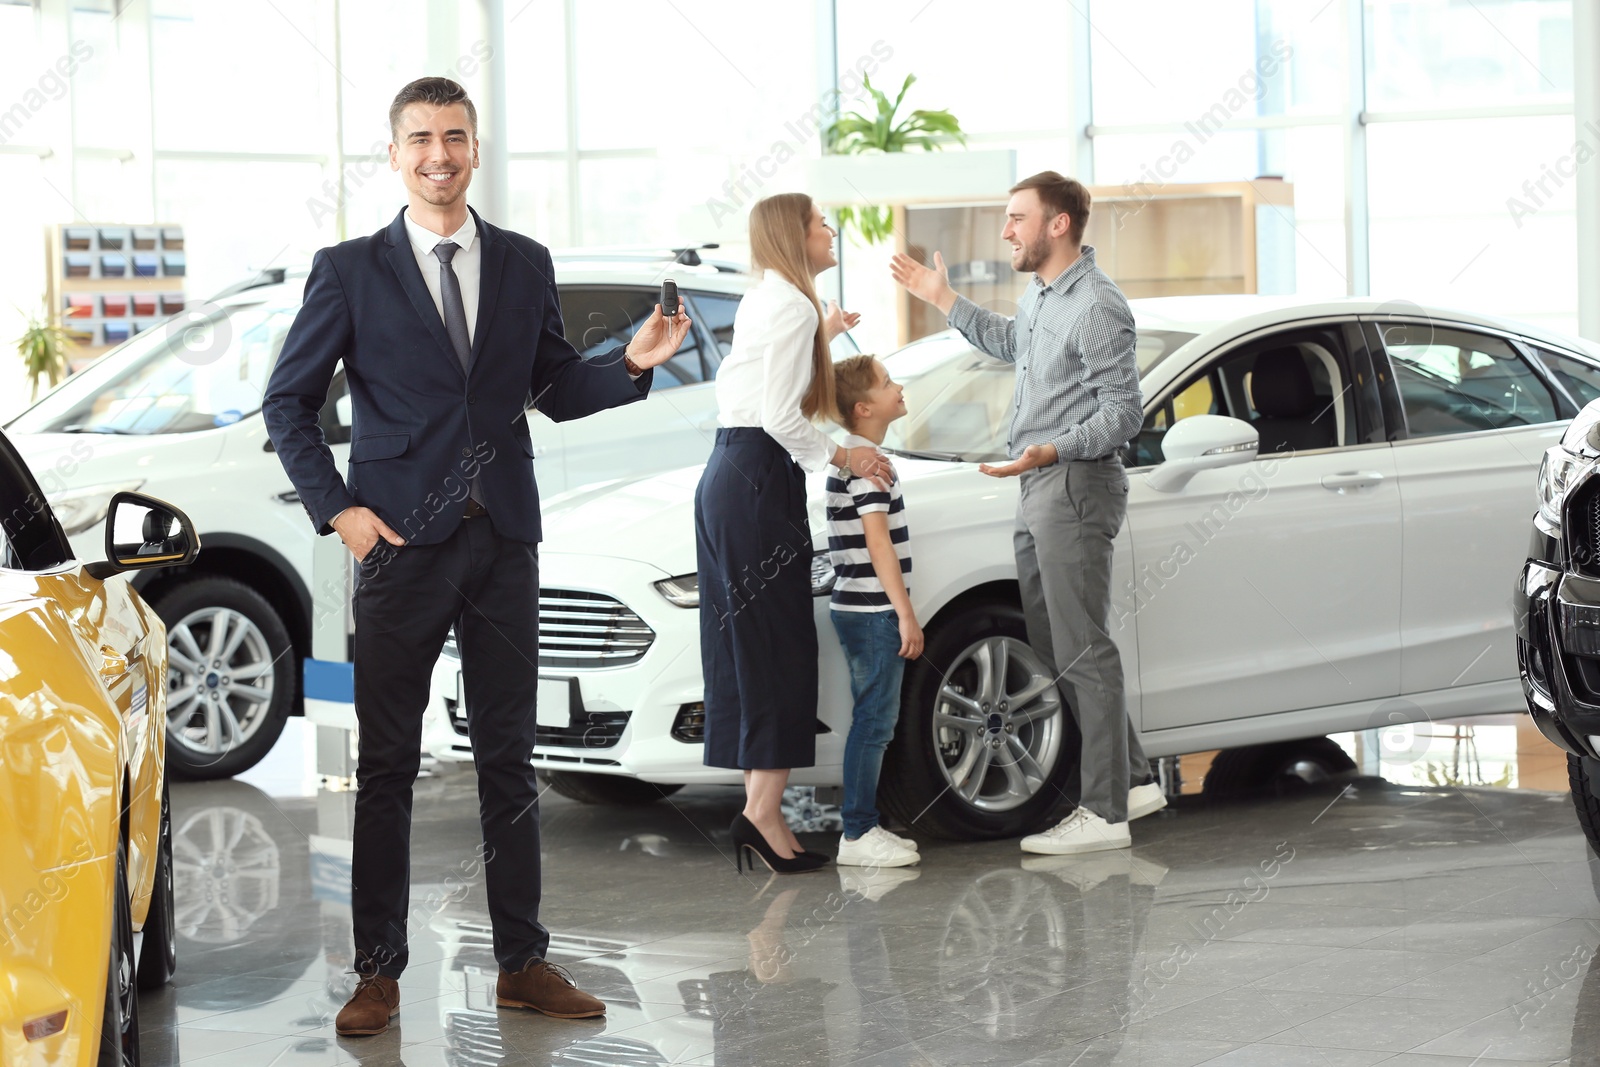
{"x": 175, "y": 412}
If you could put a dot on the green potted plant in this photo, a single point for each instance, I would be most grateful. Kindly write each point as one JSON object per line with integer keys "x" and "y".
{"x": 854, "y": 133}
{"x": 43, "y": 346}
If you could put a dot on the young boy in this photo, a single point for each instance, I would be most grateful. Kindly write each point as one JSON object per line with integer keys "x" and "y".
{"x": 871, "y": 608}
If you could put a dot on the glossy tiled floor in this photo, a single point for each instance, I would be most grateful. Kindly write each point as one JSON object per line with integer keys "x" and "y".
{"x": 1354, "y": 923}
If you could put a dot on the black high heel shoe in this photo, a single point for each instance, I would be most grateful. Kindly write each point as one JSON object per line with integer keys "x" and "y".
{"x": 746, "y": 836}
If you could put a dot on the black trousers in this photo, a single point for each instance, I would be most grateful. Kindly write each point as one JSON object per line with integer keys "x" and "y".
{"x": 406, "y": 601}
{"x": 758, "y": 633}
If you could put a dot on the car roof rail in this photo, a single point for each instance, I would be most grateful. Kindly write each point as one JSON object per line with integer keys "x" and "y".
{"x": 688, "y": 256}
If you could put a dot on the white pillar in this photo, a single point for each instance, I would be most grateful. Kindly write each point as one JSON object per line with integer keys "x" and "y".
{"x": 496, "y": 203}
{"x": 1357, "y": 217}
{"x": 1586, "y": 118}
{"x": 1080, "y": 98}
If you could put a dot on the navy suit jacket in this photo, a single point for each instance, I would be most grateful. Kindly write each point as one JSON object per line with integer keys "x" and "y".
{"x": 423, "y": 428}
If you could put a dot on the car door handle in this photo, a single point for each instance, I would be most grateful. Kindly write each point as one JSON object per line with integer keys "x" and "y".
{"x": 1351, "y": 480}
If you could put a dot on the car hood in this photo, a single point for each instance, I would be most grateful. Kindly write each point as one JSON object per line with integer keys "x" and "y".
{"x": 650, "y": 519}
{"x": 62, "y": 461}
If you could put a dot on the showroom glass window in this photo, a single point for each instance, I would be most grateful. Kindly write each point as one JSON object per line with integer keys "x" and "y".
{"x": 1458, "y": 381}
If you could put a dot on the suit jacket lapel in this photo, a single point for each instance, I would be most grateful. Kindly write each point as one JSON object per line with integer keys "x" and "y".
{"x": 404, "y": 262}
{"x": 491, "y": 263}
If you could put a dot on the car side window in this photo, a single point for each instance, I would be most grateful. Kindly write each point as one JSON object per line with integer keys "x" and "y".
{"x": 716, "y": 319}
{"x": 30, "y": 537}
{"x": 1581, "y": 379}
{"x": 1290, "y": 387}
{"x": 599, "y": 318}
{"x": 1456, "y": 381}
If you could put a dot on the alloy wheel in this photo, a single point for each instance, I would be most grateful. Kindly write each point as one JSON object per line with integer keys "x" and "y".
{"x": 998, "y": 724}
{"x": 219, "y": 680}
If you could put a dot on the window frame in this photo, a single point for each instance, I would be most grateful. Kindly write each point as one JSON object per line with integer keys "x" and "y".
{"x": 48, "y": 534}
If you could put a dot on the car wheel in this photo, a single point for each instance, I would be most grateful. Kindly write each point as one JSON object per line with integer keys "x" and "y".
{"x": 984, "y": 745}
{"x": 605, "y": 788}
{"x": 1584, "y": 776}
{"x": 158, "y": 956}
{"x": 1277, "y": 768}
{"x": 230, "y": 677}
{"x": 119, "y": 1026}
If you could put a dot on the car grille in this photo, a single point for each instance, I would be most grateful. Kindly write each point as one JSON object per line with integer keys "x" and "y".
{"x": 1583, "y": 529}
{"x": 580, "y": 630}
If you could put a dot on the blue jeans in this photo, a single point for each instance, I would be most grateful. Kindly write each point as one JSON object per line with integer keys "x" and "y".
{"x": 871, "y": 641}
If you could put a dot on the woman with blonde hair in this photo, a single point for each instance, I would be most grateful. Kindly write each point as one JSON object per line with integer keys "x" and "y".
{"x": 758, "y": 638}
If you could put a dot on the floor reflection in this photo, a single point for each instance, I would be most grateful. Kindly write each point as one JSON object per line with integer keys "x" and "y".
{"x": 1373, "y": 914}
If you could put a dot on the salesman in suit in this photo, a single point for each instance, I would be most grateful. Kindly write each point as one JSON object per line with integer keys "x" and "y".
{"x": 449, "y": 329}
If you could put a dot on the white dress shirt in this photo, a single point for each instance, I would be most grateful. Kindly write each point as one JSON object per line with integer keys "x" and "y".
{"x": 467, "y": 265}
{"x": 765, "y": 376}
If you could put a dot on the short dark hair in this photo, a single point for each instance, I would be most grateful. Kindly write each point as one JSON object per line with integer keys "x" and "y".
{"x": 439, "y": 92}
{"x": 1060, "y": 196}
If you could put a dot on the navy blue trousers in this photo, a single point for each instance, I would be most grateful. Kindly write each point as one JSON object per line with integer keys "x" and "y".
{"x": 758, "y": 636}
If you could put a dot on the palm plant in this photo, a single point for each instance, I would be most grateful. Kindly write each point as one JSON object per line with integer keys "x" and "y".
{"x": 43, "y": 347}
{"x": 854, "y": 133}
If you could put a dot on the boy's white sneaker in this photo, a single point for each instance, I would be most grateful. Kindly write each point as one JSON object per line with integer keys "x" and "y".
{"x": 1145, "y": 800}
{"x": 1082, "y": 831}
{"x": 875, "y": 848}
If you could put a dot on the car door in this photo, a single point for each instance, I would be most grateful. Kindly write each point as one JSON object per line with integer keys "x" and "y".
{"x": 1478, "y": 418}
{"x": 657, "y": 433}
{"x": 1272, "y": 586}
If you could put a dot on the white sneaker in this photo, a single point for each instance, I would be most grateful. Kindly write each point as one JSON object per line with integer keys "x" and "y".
{"x": 875, "y": 883}
{"x": 875, "y": 848}
{"x": 1145, "y": 800}
{"x": 904, "y": 842}
{"x": 1082, "y": 831}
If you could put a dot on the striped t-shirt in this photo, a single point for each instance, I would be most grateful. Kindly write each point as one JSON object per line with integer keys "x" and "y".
{"x": 857, "y": 587}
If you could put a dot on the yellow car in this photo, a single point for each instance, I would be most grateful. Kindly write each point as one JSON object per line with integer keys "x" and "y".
{"x": 85, "y": 837}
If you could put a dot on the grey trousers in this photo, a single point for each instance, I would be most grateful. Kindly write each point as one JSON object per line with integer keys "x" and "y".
{"x": 1067, "y": 518}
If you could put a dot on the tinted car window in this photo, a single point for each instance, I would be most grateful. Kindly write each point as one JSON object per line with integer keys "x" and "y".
{"x": 599, "y": 318}
{"x": 716, "y": 319}
{"x": 30, "y": 537}
{"x": 1455, "y": 381}
{"x": 1581, "y": 379}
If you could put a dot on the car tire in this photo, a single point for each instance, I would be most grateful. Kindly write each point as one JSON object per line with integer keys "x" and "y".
{"x": 193, "y": 611}
{"x": 609, "y": 789}
{"x": 1584, "y": 776}
{"x": 119, "y": 1025}
{"x": 158, "y": 955}
{"x": 1276, "y": 767}
{"x": 917, "y": 789}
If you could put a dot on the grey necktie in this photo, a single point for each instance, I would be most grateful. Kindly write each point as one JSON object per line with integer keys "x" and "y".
{"x": 455, "y": 310}
{"x": 455, "y": 314}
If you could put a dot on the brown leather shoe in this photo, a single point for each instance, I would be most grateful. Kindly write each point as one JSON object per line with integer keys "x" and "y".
{"x": 542, "y": 986}
{"x": 369, "y": 1009}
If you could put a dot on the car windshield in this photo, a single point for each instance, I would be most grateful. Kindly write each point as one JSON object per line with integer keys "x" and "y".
{"x": 958, "y": 401}
{"x": 194, "y": 372}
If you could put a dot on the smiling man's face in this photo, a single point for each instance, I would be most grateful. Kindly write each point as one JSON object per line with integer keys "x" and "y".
{"x": 435, "y": 152}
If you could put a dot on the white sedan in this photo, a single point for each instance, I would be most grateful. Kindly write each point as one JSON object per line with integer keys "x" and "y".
{"x": 1324, "y": 551}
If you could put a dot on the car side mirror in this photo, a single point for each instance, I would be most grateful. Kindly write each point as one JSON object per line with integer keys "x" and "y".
{"x": 143, "y": 532}
{"x": 1199, "y": 443}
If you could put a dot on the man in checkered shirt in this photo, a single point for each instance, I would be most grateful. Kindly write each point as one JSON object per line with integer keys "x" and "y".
{"x": 1076, "y": 403}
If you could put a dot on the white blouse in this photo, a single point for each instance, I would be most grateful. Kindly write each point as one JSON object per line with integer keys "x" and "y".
{"x": 765, "y": 376}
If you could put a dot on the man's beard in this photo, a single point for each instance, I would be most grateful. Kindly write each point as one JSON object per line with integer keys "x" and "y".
{"x": 1034, "y": 255}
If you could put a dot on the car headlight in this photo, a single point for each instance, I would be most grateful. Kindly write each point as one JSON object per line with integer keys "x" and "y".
{"x": 822, "y": 573}
{"x": 1556, "y": 474}
{"x": 79, "y": 509}
{"x": 684, "y": 590}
